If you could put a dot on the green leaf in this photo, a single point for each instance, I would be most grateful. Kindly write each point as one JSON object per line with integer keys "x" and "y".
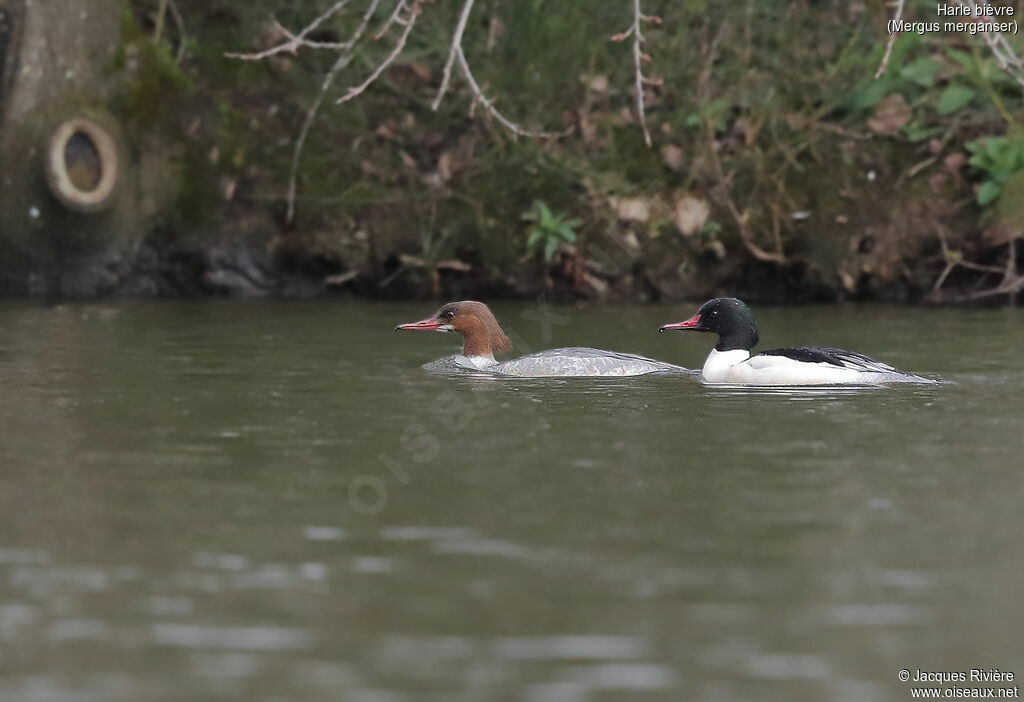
{"x": 922, "y": 72}
{"x": 917, "y": 133}
{"x": 716, "y": 107}
{"x": 965, "y": 60}
{"x": 549, "y": 248}
{"x": 545, "y": 214}
{"x": 535, "y": 236}
{"x": 871, "y": 93}
{"x": 993, "y": 147}
{"x": 954, "y": 98}
{"x": 573, "y": 223}
{"x": 568, "y": 234}
{"x": 988, "y": 192}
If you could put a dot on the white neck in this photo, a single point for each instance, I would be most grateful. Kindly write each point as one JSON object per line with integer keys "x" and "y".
{"x": 719, "y": 363}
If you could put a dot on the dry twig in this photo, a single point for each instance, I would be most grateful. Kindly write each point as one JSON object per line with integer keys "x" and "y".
{"x": 295, "y": 41}
{"x": 489, "y": 106}
{"x": 639, "y": 57}
{"x": 392, "y": 18}
{"x": 892, "y": 40}
{"x": 409, "y": 21}
{"x": 343, "y": 61}
{"x": 456, "y": 47}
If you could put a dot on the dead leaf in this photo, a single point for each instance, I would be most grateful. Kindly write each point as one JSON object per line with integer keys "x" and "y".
{"x": 672, "y": 155}
{"x": 690, "y": 215}
{"x": 341, "y": 278}
{"x": 623, "y": 116}
{"x": 444, "y": 166}
{"x": 954, "y": 161}
{"x": 795, "y": 121}
{"x": 385, "y": 131}
{"x": 633, "y": 209}
{"x": 891, "y": 113}
{"x": 227, "y": 187}
{"x": 453, "y": 264}
{"x": 596, "y": 284}
{"x": 589, "y": 130}
{"x": 421, "y": 70}
{"x": 597, "y": 83}
{"x": 716, "y": 247}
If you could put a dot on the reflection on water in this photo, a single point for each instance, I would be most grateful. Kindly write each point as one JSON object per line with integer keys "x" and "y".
{"x": 178, "y": 520}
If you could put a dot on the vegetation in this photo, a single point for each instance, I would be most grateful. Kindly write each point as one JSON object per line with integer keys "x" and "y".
{"x": 549, "y": 231}
{"x": 781, "y": 168}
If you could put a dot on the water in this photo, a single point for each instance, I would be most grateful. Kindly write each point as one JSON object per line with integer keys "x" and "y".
{"x": 269, "y": 501}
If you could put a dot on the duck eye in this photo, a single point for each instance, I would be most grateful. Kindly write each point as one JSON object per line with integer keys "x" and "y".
{"x": 448, "y": 314}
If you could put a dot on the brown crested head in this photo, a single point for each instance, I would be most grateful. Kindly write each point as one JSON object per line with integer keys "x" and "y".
{"x": 480, "y": 330}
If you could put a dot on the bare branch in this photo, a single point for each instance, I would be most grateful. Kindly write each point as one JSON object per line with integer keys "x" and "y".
{"x": 182, "y": 37}
{"x": 308, "y": 43}
{"x": 295, "y": 41}
{"x": 639, "y": 57}
{"x": 892, "y": 40}
{"x": 456, "y": 46}
{"x": 409, "y": 22}
{"x": 489, "y": 106}
{"x": 339, "y": 65}
{"x": 161, "y": 14}
{"x": 392, "y": 18}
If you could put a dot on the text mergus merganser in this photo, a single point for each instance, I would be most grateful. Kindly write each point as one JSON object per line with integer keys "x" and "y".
{"x": 730, "y": 361}
{"x": 483, "y": 338}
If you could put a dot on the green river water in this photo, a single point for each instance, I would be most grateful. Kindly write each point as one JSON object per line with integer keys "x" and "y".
{"x": 274, "y": 501}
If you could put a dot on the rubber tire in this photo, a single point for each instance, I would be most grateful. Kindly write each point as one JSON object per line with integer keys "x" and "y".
{"x": 71, "y": 196}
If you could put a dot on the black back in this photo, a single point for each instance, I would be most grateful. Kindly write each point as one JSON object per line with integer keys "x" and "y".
{"x": 832, "y": 356}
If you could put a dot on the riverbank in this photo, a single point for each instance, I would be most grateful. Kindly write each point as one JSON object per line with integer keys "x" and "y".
{"x": 778, "y": 172}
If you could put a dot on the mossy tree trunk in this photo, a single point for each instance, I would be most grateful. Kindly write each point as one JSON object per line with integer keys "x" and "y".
{"x": 61, "y": 148}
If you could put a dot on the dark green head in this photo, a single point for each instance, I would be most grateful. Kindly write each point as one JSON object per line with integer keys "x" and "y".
{"x": 728, "y": 317}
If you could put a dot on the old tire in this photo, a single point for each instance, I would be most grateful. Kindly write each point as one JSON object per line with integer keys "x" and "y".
{"x": 83, "y": 165}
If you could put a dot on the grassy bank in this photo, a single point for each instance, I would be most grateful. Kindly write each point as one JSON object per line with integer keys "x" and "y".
{"x": 781, "y": 169}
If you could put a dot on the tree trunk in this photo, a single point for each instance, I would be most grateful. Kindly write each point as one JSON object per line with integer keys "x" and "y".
{"x": 68, "y": 209}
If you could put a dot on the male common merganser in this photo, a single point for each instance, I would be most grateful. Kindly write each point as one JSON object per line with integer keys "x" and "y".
{"x": 730, "y": 361}
{"x": 483, "y": 337}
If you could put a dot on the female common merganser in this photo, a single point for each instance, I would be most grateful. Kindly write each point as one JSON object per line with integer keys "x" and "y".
{"x": 730, "y": 361}
{"x": 483, "y": 337}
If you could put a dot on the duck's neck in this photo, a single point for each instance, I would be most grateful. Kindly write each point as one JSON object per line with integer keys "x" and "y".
{"x": 476, "y": 342}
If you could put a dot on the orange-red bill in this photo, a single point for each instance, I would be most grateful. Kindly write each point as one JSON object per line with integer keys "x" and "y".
{"x": 692, "y": 323}
{"x": 428, "y": 324}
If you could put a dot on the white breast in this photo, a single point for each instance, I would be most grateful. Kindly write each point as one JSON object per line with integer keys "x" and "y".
{"x": 476, "y": 362}
{"x": 720, "y": 364}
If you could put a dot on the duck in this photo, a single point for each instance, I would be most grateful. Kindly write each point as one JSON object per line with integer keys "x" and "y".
{"x": 483, "y": 337}
{"x": 730, "y": 361}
